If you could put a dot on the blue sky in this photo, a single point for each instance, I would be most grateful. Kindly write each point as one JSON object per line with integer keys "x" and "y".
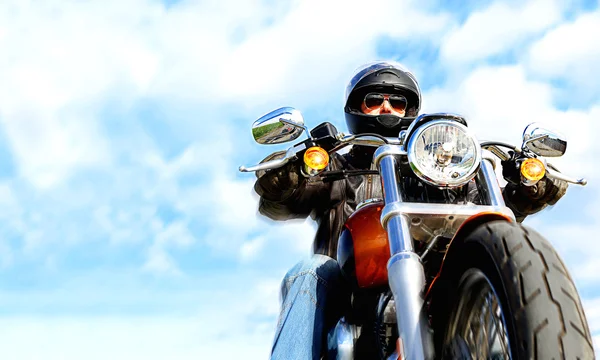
{"x": 126, "y": 230}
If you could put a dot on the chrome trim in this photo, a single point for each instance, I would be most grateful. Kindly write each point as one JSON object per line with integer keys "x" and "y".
{"x": 406, "y": 275}
{"x": 446, "y": 219}
{"x": 290, "y": 155}
{"x": 498, "y": 152}
{"x": 385, "y": 150}
{"x": 298, "y": 126}
{"x": 489, "y": 156}
{"x": 402, "y": 137}
{"x": 440, "y": 117}
{"x": 346, "y": 140}
{"x": 407, "y": 281}
{"x": 340, "y": 341}
{"x": 272, "y": 164}
{"x": 543, "y": 142}
{"x": 388, "y": 175}
{"x": 399, "y": 234}
{"x": 553, "y": 174}
{"x": 455, "y": 182}
{"x": 277, "y": 118}
{"x": 367, "y": 202}
{"x": 373, "y": 139}
{"x": 488, "y": 185}
{"x": 412, "y": 210}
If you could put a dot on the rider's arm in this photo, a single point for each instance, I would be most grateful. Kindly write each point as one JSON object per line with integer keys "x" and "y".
{"x": 527, "y": 200}
{"x": 286, "y": 194}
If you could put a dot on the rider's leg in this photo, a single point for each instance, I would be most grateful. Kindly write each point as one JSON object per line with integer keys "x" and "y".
{"x": 313, "y": 295}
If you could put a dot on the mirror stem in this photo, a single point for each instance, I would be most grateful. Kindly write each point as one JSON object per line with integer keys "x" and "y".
{"x": 303, "y": 127}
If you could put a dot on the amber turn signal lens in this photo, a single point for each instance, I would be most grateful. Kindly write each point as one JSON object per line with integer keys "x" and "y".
{"x": 316, "y": 158}
{"x": 533, "y": 169}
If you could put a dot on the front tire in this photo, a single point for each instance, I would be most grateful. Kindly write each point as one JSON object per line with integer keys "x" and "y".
{"x": 538, "y": 306}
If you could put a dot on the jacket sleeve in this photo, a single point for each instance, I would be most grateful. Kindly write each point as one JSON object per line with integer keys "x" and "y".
{"x": 286, "y": 194}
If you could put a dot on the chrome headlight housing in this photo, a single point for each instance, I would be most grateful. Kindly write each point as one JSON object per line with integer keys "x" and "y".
{"x": 443, "y": 153}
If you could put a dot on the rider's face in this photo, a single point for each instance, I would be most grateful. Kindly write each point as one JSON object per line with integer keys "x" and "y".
{"x": 378, "y": 104}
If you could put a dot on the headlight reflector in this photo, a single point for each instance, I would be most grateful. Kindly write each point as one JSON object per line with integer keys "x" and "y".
{"x": 444, "y": 153}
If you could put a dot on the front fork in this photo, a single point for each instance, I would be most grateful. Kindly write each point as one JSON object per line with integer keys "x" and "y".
{"x": 406, "y": 274}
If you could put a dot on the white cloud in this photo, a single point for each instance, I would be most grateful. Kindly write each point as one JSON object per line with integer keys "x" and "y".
{"x": 569, "y": 53}
{"x": 51, "y": 83}
{"x": 497, "y": 29}
{"x": 199, "y": 320}
{"x": 160, "y": 262}
{"x": 251, "y": 247}
{"x": 82, "y": 55}
{"x": 562, "y": 49}
{"x": 592, "y": 313}
{"x": 173, "y": 235}
{"x": 574, "y": 243}
{"x": 307, "y": 47}
{"x": 135, "y": 338}
{"x": 71, "y": 339}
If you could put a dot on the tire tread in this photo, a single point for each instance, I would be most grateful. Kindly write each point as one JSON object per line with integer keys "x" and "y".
{"x": 548, "y": 314}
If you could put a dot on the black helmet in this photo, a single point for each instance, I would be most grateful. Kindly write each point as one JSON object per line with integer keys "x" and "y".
{"x": 386, "y": 77}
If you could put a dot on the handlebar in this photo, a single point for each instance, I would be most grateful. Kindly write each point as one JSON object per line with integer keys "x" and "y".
{"x": 344, "y": 140}
{"x": 372, "y": 140}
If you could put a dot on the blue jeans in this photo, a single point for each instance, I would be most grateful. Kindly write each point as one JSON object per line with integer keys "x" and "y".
{"x": 313, "y": 296}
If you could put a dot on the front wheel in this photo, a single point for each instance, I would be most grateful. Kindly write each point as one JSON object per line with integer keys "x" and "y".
{"x": 504, "y": 293}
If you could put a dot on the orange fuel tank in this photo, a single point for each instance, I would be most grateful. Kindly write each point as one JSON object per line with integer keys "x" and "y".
{"x": 370, "y": 245}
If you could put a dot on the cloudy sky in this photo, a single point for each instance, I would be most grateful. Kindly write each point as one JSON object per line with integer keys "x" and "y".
{"x": 125, "y": 228}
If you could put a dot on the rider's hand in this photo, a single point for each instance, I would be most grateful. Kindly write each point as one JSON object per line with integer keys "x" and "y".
{"x": 527, "y": 200}
{"x": 278, "y": 184}
{"x": 547, "y": 191}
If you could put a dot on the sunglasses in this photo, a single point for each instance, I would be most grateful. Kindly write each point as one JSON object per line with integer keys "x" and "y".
{"x": 375, "y": 100}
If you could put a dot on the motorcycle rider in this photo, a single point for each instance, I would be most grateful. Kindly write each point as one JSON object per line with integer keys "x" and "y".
{"x": 381, "y": 98}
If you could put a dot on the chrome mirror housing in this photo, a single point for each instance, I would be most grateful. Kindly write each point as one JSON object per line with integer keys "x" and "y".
{"x": 543, "y": 142}
{"x": 279, "y": 126}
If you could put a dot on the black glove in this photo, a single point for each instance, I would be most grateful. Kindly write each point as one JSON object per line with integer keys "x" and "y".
{"x": 278, "y": 184}
{"x": 527, "y": 200}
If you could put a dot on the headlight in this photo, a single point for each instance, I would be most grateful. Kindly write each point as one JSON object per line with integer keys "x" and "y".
{"x": 443, "y": 153}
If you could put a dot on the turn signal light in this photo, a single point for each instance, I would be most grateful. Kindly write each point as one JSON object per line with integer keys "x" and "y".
{"x": 533, "y": 169}
{"x": 316, "y": 158}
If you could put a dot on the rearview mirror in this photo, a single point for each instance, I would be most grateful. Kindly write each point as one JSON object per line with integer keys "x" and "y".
{"x": 543, "y": 142}
{"x": 278, "y": 126}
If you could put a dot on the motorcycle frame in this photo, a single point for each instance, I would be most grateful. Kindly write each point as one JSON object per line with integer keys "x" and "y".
{"x": 406, "y": 274}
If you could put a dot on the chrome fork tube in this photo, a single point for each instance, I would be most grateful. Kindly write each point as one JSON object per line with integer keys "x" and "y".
{"x": 406, "y": 275}
{"x": 488, "y": 184}
{"x": 400, "y": 241}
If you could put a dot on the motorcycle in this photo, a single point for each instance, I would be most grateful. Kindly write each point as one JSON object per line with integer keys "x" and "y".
{"x": 448, "y": 274}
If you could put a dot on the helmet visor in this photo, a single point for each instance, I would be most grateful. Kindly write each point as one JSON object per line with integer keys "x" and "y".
{"x": 375, "y": 101}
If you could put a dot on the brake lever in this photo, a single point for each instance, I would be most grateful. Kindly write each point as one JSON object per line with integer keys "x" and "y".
{"x": 290, "y": 155}
{"x": 553, "y": 173}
